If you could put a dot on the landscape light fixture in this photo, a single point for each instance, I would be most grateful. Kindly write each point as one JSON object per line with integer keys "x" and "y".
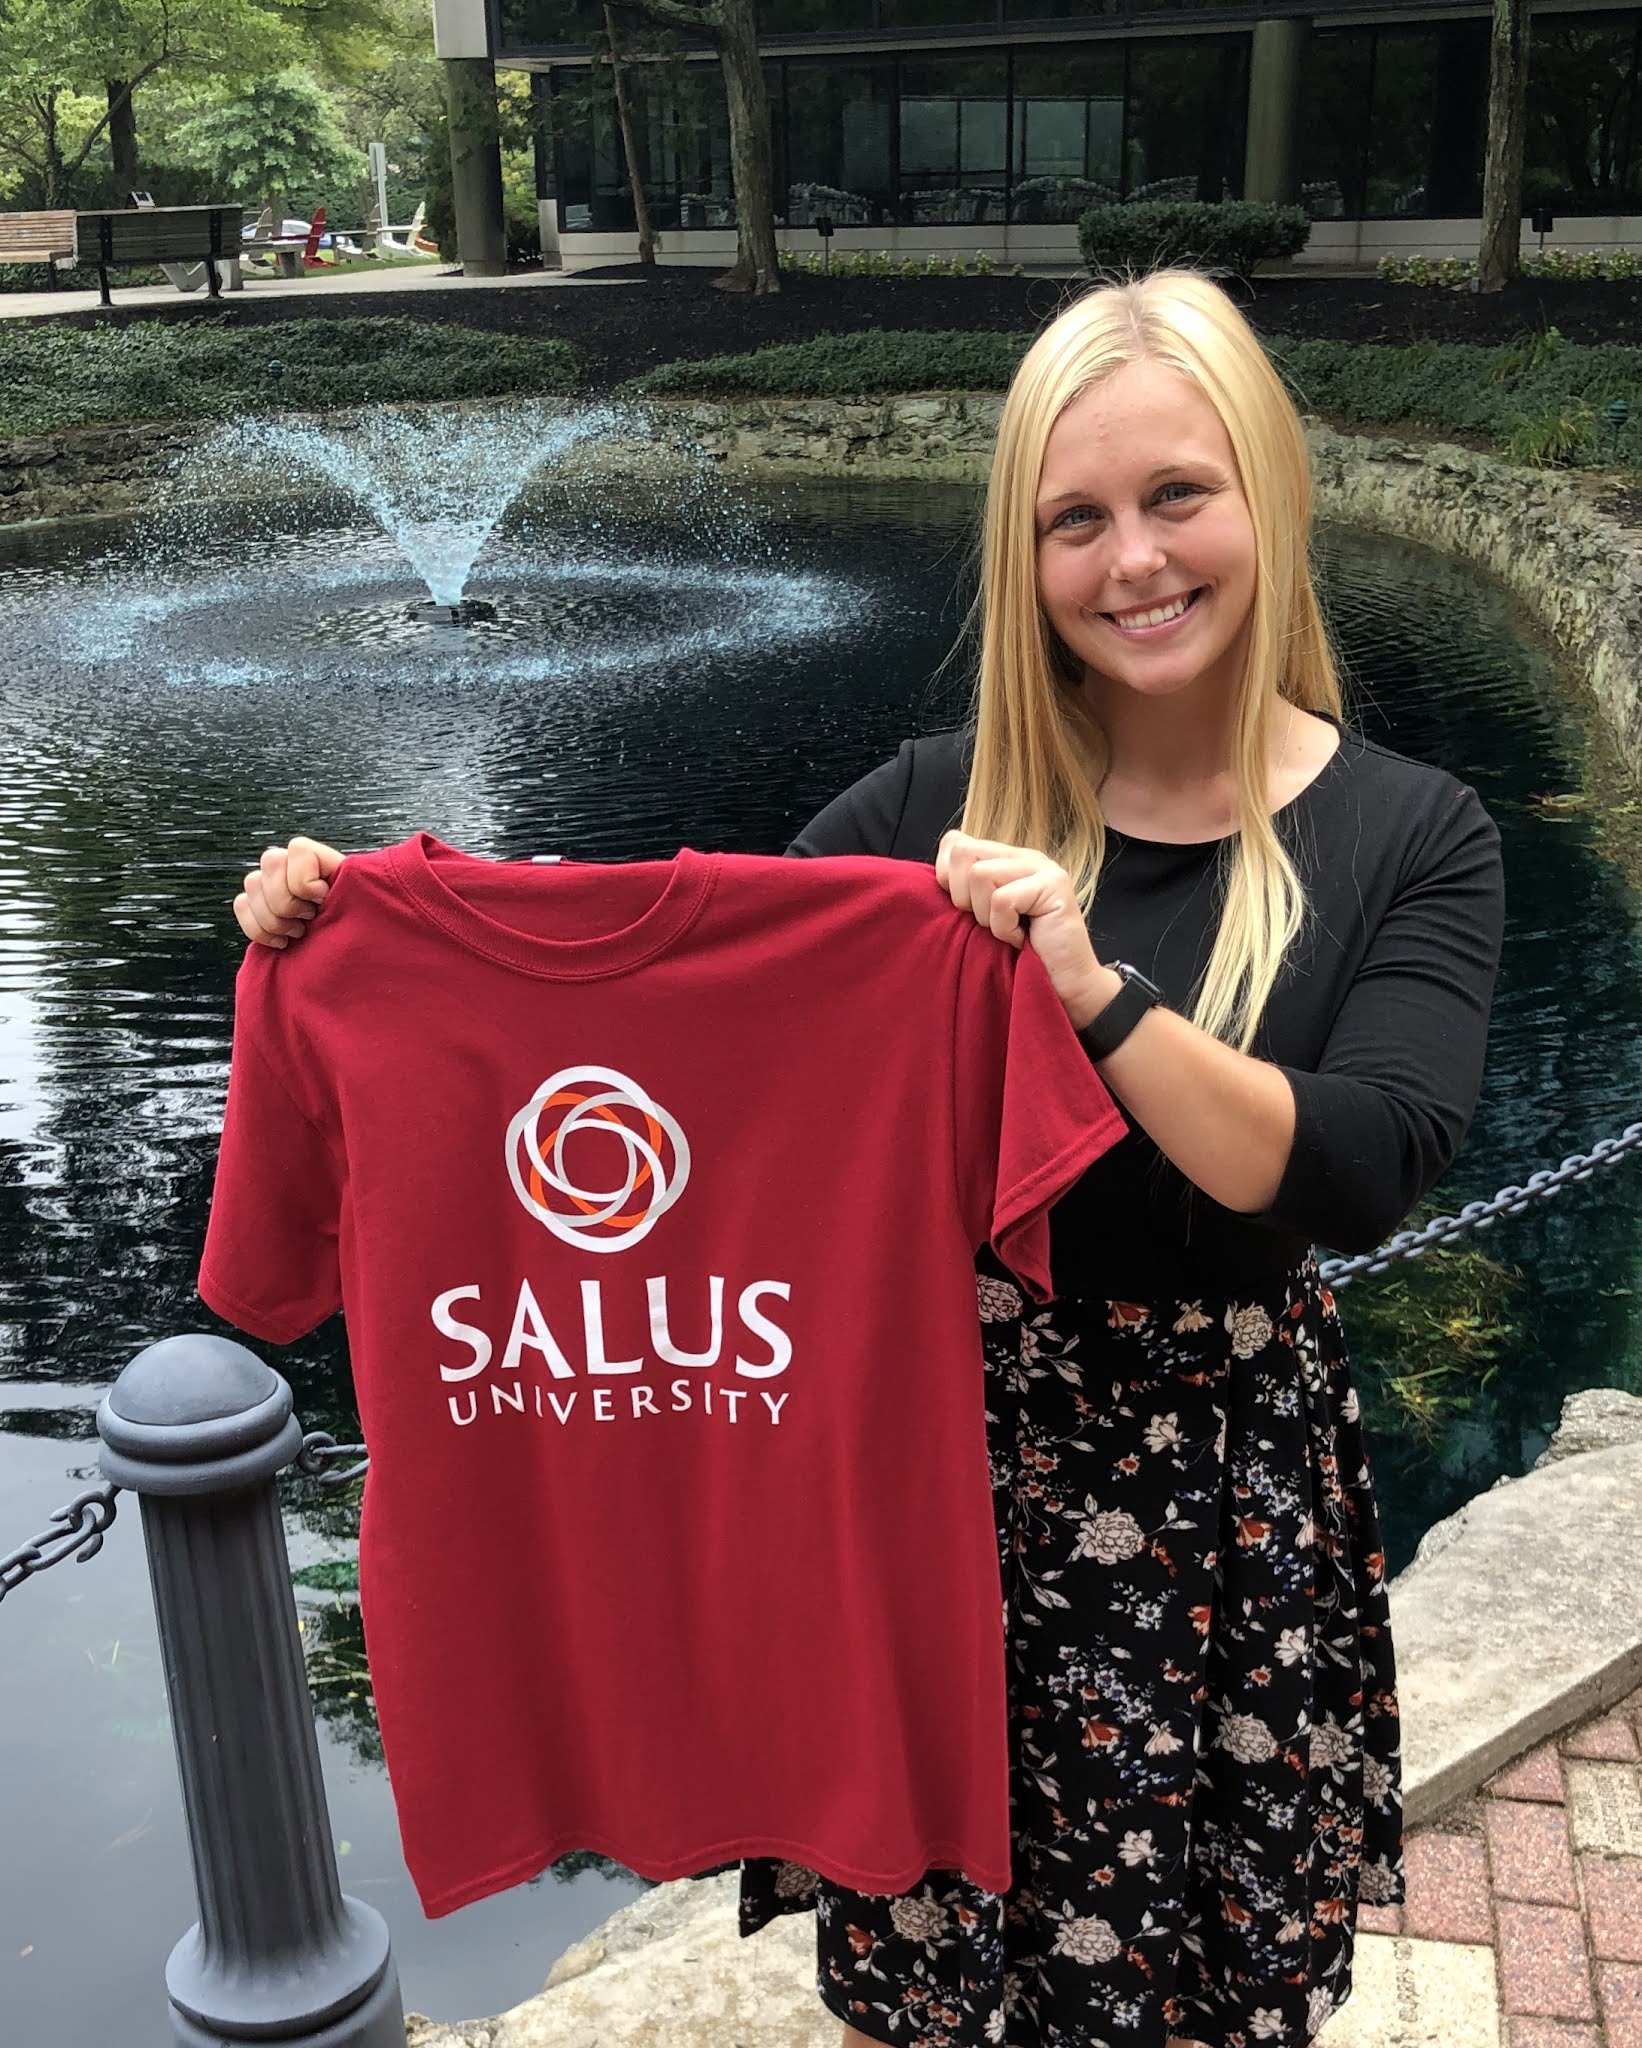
{"x": 1618, "y": 413}
{"x": 823, "y": 227}
{"x": 1542, "y": 225}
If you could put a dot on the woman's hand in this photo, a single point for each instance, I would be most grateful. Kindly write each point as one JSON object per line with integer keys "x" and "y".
{"x": 1004, "y": 884}
{"x": 283, "y": 893}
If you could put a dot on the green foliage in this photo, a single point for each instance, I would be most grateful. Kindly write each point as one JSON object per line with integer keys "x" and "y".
{"x": 1559, "y": 263}
{"x": 850, "y": 365}
{"x": 1554, "y": 436}
{"x": 54, "y": 377}
{"x": 334, "y": 1575}
{"x": 276, "y": 143}
{"x": 1530, "y": 398}
{"x": 1432, "y": 1331}
{"x": 1151, "y": 234}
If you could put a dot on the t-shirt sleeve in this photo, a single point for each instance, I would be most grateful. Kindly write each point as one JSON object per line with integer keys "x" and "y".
{"x": 1031, "y": 1114}
{"x": 1398, "y": 1079}
{"x": 270, "y": 1265}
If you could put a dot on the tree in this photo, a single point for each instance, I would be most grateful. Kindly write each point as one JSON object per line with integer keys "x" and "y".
{"x": 70, "y": 70}
{"x": 730, "y": 26}
{"x": 1500, "y": 252}
{"x": 624, "y": 115}
{"x": 277, "y": 142}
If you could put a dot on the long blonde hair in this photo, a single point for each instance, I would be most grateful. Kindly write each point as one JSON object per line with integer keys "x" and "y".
{"x": 1039, "y": 754}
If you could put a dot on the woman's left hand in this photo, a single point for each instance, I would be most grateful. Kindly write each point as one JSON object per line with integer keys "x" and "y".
{"x": 1001, "y": 885}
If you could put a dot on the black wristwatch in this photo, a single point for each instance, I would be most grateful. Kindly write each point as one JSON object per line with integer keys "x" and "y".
{"x": 1105, "y": 1032}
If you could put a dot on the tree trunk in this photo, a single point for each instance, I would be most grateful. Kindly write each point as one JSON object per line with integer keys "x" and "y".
{"x": 755, "y": 268}
{"x": 122, "y": 137}
{"x": 1500, "y": 251}
{"x": 635, "y": 178}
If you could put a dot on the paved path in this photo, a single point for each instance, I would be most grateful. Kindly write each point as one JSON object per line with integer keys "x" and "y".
{"x": 405, "y": 277}
{"x": 1523, "y": 1922}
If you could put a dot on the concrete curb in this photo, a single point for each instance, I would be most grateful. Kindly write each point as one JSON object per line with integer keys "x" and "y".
{"x": 1520, "y": 1615}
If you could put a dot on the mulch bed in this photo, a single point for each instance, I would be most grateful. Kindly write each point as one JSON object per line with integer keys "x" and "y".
{"x": 674, "y": 312}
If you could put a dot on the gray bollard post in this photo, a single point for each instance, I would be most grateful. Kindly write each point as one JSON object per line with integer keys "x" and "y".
{"x": 198, "y": 1426}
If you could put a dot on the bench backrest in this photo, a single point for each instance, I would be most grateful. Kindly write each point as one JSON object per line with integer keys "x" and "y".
{"x": 159, "y": 234}
{"x": 36, "y": 237}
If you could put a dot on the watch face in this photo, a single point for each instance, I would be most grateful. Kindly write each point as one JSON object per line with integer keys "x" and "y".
{"x": 1143, "y": 981}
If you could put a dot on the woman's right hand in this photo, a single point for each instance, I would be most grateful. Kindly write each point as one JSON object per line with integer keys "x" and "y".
{"x": 284, "y": 890}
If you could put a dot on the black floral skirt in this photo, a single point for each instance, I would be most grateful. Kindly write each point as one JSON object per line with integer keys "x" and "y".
{"x": 1203, "y": 1712}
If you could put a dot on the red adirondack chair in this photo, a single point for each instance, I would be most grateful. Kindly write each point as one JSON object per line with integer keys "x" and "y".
{"x": 311, "y": 258}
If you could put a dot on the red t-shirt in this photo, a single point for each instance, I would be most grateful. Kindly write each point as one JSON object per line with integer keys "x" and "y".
{"x": 651, "y": 1194}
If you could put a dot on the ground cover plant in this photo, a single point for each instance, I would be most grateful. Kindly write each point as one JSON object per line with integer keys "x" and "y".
{"x": 67, "y": 376}
{"x": 1541, "y": 399}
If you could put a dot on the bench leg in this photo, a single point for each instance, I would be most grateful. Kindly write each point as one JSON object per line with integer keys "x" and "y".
{"x": 213, "y": 283}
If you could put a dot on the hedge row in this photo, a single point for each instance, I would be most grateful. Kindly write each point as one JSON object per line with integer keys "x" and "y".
{"x": 53, "y": 377}
{"x": 1543, "y": 398}
{"x": 850, "y": 366}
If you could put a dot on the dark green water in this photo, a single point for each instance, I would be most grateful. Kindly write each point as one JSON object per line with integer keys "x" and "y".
{"x": 162, "y": 716}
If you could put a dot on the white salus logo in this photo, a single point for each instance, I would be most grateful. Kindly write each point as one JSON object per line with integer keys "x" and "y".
{"x": 649, "y": 1171}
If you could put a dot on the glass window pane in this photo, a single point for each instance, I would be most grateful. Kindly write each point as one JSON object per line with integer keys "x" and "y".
{"x": 929, "y": 138}
{"x": 1332, "y": 138}
{"x": 1068, "y": 131}
{"x": 1188, "y": 110}
{"x": 936, "y": 13}
{"x": 1584, "y": 147}
{"x": 953, "y": 153}
{"x": 838, "y": 140}
{"x": 790, "y": 17}
{"x": 1399, "y": 129}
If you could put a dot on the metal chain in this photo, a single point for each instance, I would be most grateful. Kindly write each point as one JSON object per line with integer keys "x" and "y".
{"x": 78, "y": 1527}
{"x": 320, "y": 1450}
{"x": 1410, "y": 1244}
{"x": 78, "y": 1534}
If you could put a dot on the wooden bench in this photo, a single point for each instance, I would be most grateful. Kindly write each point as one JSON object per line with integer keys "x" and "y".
{"x": 142, "y": 235}
{"x": 47, "y": 238}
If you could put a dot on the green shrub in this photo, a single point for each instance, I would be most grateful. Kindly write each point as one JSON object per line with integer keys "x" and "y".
{"x": 849, "y": 365}
{"x": 1554, "y": 436}
{"x": 204, "y": 368}
{"x": 1148, "y": 235}
{"x": 1526, "y": 399}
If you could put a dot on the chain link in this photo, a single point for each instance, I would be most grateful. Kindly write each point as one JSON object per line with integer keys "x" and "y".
{"x": 320, "y": 1451}
{"x": 78, "y": 1534}
{"x": 1512, "y": 1201}
{"x": 78, "y": 1527}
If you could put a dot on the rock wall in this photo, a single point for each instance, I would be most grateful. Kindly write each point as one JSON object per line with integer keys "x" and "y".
{"x": 87, "y": 470}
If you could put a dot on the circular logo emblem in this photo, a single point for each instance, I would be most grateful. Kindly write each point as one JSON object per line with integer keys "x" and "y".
{"x": 649, "y": 1158}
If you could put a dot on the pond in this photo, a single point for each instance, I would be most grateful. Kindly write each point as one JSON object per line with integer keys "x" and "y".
{"x": 171, "y": 700}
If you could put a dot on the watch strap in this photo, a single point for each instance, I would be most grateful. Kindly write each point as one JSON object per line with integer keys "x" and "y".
{"x": 1106, "y": 1031}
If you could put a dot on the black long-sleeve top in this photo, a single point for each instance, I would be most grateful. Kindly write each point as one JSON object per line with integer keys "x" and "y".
{"x": 1379, "y": 1018}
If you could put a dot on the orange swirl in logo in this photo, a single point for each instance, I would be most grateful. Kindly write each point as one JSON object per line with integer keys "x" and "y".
{"x": 596, "y": 1101}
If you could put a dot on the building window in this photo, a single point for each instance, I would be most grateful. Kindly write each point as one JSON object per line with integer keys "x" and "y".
{"x": 1187, "y": 114}
{"x": 1336, "y": 87}
{"x": 682, "y": 131}
{"x": 1068, "y": 131}
{"x": 954, "y": 127}
{"x": 1584, "y": 146}
{"x": 937, "y": 13}
{"x": 839, "y": 145}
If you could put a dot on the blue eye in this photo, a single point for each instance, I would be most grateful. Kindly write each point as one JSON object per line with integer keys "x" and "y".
{"x": 1177, "y": 485}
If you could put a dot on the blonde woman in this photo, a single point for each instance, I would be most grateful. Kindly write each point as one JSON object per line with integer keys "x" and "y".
{"x": 1279, "y": 942}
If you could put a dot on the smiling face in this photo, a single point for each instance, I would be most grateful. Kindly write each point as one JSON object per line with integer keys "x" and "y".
{"x": 1139, "y": 505}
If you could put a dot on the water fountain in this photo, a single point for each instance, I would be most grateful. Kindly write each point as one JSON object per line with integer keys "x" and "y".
{"x": 445, "y": 544}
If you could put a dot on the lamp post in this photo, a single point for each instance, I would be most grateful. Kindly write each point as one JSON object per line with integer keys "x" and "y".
{"x": 823, "y": 227}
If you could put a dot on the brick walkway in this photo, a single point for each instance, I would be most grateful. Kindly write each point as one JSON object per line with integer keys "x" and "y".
{"x": 1544, "y": 1867}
